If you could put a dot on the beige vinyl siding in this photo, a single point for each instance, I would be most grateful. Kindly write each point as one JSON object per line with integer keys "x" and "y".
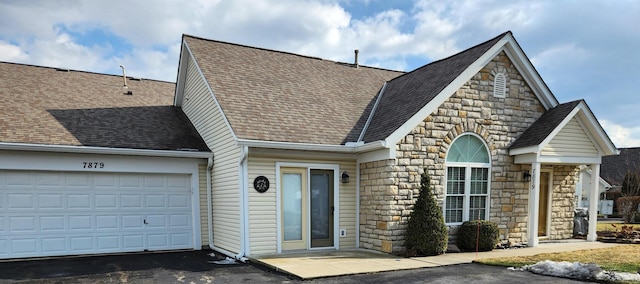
{"x": 263, "y": 207}
{"x": 204, "y": 217}
{"x": 206, "y": 117}
{"x": 572, "y": 140}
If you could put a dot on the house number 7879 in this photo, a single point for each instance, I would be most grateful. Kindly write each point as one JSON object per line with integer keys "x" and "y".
{"x": 93, "y": 165}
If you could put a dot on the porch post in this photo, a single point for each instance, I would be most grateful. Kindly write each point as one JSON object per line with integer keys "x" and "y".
{"x": 594, "y": 196}
{"x": 534, "y": 202}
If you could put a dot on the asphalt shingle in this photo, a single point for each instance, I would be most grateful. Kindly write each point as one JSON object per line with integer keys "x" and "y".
{"x": 49, "y": 106}
{"x": 404, "y": 96}
{"x": 543, "y": 127}
{"x": 277, "y": 96}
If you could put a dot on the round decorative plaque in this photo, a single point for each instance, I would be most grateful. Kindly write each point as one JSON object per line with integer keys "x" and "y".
{"x": 261, "y": 184}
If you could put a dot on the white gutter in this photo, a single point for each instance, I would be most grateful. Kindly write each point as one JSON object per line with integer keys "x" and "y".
{"x": 103, "y": 150}
{"x": 209, "y": 205}
{"x": 348, "y": 148}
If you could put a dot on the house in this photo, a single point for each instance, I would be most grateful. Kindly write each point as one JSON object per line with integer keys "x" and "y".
{"x": 285, "y": 129}
{"x": 88, "y": 166}
{"x": 288, "y": 152}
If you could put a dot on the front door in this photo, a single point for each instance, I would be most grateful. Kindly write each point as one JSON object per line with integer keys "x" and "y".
{"x": 307, "y": 208}
{"x": 543, "y": 207}
{"x": 321, "y": 208}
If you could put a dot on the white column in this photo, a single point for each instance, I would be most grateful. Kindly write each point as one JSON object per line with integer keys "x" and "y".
{"x": 594, "y": 196}
{"x": 534, "y": 202}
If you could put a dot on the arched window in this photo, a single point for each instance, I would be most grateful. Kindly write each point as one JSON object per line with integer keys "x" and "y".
{"x": 500, "y": 86}
{"x": 468, "y": 168}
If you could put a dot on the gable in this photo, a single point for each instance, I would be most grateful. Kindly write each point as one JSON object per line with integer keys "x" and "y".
{"x": 571, "y": 140}
{"x": 404, "y": 96}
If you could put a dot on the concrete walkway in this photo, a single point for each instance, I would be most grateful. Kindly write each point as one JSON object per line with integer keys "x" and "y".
{"x": 309, "y": 265}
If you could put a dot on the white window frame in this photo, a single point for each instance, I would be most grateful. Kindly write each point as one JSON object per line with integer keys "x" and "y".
{"x": 467, "y": 183}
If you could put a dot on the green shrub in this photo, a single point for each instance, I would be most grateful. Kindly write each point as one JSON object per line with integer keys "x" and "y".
{"x": 467, "y": 235}
{"x": 426, "y": 232}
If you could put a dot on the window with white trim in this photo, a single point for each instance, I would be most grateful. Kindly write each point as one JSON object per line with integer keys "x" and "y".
{"x": 500, "y": 85}
{"x": 467, "y": 192}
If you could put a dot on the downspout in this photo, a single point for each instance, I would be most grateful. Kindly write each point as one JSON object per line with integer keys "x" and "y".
{"x": 357, "y": 204}
{"x": 209, "y": 205}
{"x": 244, "y": 206}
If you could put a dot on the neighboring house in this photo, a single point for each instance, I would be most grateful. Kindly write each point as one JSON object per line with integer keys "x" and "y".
{"x": 615, "y": 168}
{"x": 263, "y": 152}
{"x": 583, "y": 189}
{"x": 494, "y": 139}
{"x": 86, "y": 168}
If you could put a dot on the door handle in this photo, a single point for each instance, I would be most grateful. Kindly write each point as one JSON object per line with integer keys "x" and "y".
{"x": 145, "y": 222}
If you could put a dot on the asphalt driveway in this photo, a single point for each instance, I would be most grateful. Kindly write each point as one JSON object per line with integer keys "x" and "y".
{"x": 198, "y": 267}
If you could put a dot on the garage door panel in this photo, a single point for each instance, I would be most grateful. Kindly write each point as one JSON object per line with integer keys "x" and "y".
{"x": 81, "y": 244}
{"x": 180, "y": 240}
{"x": 106, "y": 201}
{"x": 156, "y": 221}
{"x": 107, "y": 243}
{"x": 22, "y": 224}
{"x": 132, "y": 221}
{"x": 50, "y": 180}
{"x": 60, "y": 213}
{"x": 52, "y": 223}
{"x": 106, "y": 222}
{"x": 80, "y": 223}
{"x": 20, "y": 180}
{"x": 51, "y": 201}
{"x": 77, "y": 181}
{"x": 54, "y": 245}
{"x": 20, "y": 201}
{"x": 155, "y": 201}
{"x": 179, "y": 201}
{"x": 24, "y": 246}
{"x": 79, "y": 201}
{"x": 130, "y": 180}
{"x": 133, "y": 242}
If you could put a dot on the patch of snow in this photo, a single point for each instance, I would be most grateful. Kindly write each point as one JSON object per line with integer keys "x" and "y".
{"x": 227, "y": 260}
{"x": 577, "y": 270}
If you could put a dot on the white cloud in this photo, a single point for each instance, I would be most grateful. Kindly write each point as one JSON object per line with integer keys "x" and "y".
{"x": 11, "y": 53}
{"x": 622, "y": 136}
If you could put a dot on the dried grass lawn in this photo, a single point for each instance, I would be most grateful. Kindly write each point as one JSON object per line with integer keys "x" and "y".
{"x": 623, "y": 258}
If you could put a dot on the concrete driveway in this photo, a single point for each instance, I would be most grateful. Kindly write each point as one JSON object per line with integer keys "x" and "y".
{"x": 196, "y": 267}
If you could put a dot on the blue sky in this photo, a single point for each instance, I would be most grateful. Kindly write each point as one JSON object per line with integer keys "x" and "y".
{"x": 582, "y": 49}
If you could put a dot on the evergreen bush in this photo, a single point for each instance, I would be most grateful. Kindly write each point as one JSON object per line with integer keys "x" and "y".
{"x": 426, "y": 232}
{"x": 466, "y": 236}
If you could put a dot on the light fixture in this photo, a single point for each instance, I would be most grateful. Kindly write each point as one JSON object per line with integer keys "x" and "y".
{"x": 345, "y": 177}
{"x": 526, "y": 176}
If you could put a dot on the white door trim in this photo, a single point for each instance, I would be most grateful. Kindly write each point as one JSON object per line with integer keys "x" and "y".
{"x": 336, "y": 201}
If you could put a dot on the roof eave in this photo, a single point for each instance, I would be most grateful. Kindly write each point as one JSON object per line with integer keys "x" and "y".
{"x": 103, "y": 150}
{"x": 348, "y": 148}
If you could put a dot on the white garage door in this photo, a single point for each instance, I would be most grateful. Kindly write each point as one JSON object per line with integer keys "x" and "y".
{"x": 69, "y": 213}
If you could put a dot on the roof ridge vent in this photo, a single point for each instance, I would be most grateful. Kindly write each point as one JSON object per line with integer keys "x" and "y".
{"x": 63, "y": 69}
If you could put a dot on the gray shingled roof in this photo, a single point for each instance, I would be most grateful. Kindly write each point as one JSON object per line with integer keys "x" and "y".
{"x": 277, "y": 96}
{"x": 615, "y": 167}
{"x": 42, "y": 105}
{"x": 543, "y": 127}
{"x": 404, "y": 96}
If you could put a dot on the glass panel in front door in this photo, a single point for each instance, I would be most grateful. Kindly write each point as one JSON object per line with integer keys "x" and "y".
{"x": 294, "y": 209}
{"x": 321, "y": 208}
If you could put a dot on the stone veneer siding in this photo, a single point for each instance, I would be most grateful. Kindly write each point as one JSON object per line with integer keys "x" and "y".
{"x": 389, "y": 188}
{"x": 565, "y": 179}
